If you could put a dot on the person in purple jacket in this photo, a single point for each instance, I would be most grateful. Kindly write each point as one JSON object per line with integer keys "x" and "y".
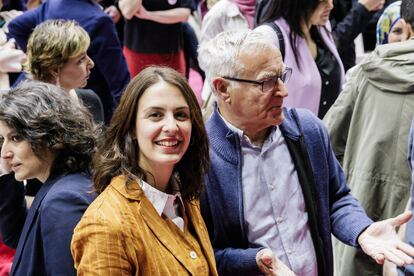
{"x": 275, "y": 193}
{"x": 310, "y": 50}
{"x": 110, "y": 75}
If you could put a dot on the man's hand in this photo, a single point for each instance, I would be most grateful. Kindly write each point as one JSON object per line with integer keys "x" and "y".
{"x": 381, "y": 242}
{"x": 113, "y": 12}
{"x": 372, "y": 5}
{"x": 270, "y": 265}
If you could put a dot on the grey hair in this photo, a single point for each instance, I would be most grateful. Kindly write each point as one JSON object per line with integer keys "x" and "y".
{"x": 219, "y": 56}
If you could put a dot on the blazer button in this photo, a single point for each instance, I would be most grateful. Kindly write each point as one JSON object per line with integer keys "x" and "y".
{"x": 193, "y": 255}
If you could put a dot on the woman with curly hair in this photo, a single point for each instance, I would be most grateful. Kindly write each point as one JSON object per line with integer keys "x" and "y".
{"x": 149, "y": 173}
{"x": 43, "y": 136}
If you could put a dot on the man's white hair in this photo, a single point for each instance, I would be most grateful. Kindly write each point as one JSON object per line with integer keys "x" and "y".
{"x": 220, "y": 55}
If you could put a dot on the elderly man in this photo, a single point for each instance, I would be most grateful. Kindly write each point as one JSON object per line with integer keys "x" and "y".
{"x": 275, "y": 192}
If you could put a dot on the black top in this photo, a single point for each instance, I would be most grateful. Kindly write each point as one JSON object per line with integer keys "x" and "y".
{"x": 92, "y": 102}
{"x": 330, "y": 72}
{"x": 149, "y": 37}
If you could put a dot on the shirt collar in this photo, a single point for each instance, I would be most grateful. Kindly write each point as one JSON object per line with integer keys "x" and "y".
{"x": 158, "y": 198}
{"x": 244, "y": 137}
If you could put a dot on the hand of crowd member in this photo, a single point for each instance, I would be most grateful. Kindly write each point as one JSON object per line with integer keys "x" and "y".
{"x": 372, "y": 5}
{"x": 114, "y": 13}
{"x": 270, "y": 265}
{"x": 11, "y": 60}
{"x": 381, "y": 242}
{"x": 142, "y": 13}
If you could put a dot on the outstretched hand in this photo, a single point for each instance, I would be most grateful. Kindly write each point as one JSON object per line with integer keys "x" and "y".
{"x": 270, "y": 265}
{"x": 381, "y": 242}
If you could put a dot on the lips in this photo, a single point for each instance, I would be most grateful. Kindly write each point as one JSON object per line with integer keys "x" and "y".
{"x": 14, "y": 167}
{"x": 168, "y": 143}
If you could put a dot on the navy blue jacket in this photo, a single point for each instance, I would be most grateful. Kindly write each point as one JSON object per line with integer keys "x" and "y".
{"x": 42, "y": 234}
{"x": 330, "y": 206}
{"x": 110, "y": 75}
{"x": 409, "y": 231}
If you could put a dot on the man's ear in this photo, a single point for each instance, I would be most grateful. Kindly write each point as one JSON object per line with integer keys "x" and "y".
{"x": 221, "y": 88}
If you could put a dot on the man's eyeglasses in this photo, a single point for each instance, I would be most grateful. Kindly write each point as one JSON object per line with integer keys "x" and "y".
{"x": 267, "y": 84}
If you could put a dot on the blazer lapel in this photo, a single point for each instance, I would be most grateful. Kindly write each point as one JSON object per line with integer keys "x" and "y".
{"x": 158, "y": 227}
{"x": 31, "y": 217}
{"x": 194, "y": 215}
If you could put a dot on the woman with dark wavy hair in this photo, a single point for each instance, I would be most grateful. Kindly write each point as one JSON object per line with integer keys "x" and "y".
{"x": 43, "y": 136}
{"x": 149, "y": 173}
{"x": 310, "y": 51}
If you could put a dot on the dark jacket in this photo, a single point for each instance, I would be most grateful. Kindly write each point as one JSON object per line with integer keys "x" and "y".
{"x": 110, "y": 75}
{"x": 348, "y": 19}
{"x": 330, "y": 206}
{"x": 42, "y": 234}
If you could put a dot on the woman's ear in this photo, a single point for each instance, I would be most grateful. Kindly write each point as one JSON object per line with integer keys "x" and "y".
{"x": 222, "y": 89}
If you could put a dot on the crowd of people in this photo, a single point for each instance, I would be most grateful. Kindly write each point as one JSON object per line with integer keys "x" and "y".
{"x": 298, "y": 160}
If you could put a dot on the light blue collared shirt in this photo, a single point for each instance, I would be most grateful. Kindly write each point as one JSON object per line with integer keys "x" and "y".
{"x": 275, "y": 214}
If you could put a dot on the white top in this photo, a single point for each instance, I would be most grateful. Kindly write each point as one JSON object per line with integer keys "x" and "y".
{"x": 165, "y": 203}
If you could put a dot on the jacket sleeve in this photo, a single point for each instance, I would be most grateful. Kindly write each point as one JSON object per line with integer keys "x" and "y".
{"x": 22, "y": 26}
{"x": 347, "y": 217}
{"x": 59, "y": 215}
{"x": 106, "y": 53}
{"x": 13, "y": 209}
{"x": 229, "y": 260}
{"x": 99, "y": 247}
{"x": 339, "y": 117}
{"x": 345, "y": 31}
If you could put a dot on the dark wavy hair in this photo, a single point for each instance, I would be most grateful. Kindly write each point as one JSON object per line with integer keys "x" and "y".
{"x": 118, "y": 153}
{"x": 45, "y": 116}
{"x": 407, "y": 12}
{"x": 294, "y": 12}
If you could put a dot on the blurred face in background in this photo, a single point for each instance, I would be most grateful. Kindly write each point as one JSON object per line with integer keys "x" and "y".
{"x": 75, "y": 73}
{"x": 399, "y": 32}
{"x": 321, "y": 14}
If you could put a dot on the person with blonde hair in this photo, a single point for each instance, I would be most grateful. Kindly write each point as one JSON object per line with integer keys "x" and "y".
{"x": 110, "y": 74}
{"x": 57, "y": 54}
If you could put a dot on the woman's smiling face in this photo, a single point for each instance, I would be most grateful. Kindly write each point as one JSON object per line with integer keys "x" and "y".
{"x": 163, "y": 126}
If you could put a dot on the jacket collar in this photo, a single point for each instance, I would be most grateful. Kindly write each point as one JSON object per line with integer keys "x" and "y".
{"x": 158, "y": 227}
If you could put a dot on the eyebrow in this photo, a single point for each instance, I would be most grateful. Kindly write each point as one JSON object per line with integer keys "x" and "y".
{"x": 151, "y": 108}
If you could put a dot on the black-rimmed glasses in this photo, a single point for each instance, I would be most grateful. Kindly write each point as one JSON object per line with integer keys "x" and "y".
{"x": 269, "y": 83}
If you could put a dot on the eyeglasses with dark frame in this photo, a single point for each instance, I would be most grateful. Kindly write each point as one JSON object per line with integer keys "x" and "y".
{"x": 269, "y": 83}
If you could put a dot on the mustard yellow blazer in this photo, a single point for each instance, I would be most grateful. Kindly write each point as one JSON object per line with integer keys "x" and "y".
{"x": 121, "y": 233}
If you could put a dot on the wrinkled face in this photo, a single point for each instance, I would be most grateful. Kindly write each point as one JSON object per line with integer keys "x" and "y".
{"x": 321, "y": 14}
{"x": 248, "y": 106}
{"x": 19, "y": 157}
{"x": 163, "y": 126}
{"x": 75, "y": 73}
{"x": 399, "y": 32}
